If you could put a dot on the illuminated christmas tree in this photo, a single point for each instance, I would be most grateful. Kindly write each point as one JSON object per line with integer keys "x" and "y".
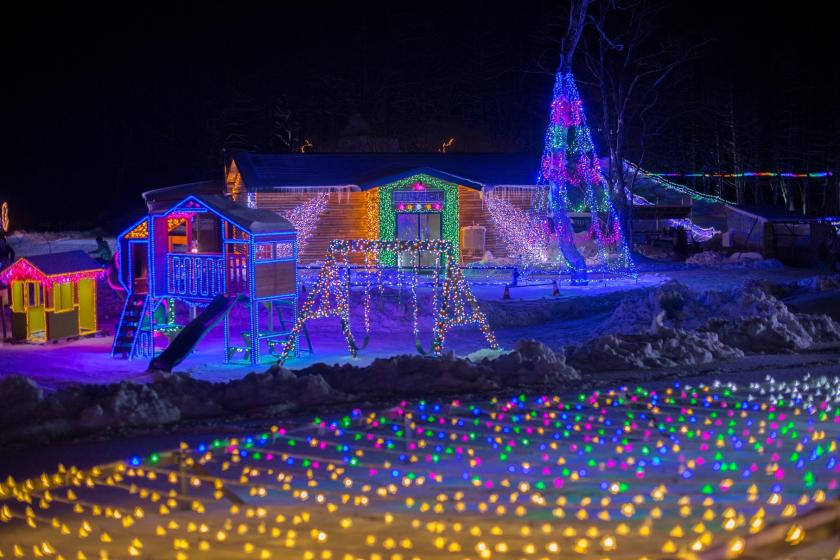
{"x": 571, "y": 182}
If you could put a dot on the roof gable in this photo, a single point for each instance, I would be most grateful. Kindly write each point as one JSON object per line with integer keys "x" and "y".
{"x": 253, "y": 220}
{"x": 53, "y": 264}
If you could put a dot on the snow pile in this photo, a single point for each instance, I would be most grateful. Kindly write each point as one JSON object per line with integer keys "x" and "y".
{"x": 706, "y": 259}
{"x": 714, "y": 259}
{"x": 751, "y": 319}
{"x": 489, "y": 259}
{"x": 667, "y": 348}
{"x": 522, "y": 313}
{"x": 758, "y": 322}
{"x": 654, "y": 252}
{"x": 821, "y": 283}
{"x": 672, "y": 304}
{"x": 27, "y": 412}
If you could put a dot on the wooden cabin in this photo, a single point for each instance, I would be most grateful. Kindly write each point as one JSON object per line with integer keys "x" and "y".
{"x": 389, "y": 195}
{"x": 191, "y": 252}
{"x": 776, "y": 232}
{"x": 53, "y": 296}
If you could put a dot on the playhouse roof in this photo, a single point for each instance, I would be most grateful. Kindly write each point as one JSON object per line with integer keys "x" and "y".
{"x": 158, "y": 200}
{"x": 367, "y": 170}
{"x": 63, "y": 263}
{"x": 51, "y": 264}
{"x": 255, "y": 220}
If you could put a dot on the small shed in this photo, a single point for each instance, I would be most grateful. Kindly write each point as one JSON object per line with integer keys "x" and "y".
{"x": 776, "y": 232}
{"x": 52, "y": 296}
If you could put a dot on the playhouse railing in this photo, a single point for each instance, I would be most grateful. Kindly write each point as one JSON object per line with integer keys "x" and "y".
{"x": 237, "y": 272}
{"x": 195, "y": 275}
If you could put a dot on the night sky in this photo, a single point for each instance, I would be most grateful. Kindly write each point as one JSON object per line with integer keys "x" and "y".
{"x": 109, "y": 100}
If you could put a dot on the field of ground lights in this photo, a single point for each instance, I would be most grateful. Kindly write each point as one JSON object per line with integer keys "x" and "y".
{"x": 707, "y": 471}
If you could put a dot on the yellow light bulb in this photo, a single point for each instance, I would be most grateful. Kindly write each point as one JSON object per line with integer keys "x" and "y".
{"x": 608, "y": 543}
{"x": 735, "y": 547}
{"x": 795, "y": 535}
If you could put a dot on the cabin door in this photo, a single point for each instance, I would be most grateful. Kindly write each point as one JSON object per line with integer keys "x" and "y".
{"x": 36, "y": 315}
{"x": 419, "y": 226}
{"x": 140, "y": 267}
{"x": 86, "y": 293}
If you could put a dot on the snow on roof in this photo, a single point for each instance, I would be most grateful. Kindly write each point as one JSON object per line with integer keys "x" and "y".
{"x": 770, "y": 213}
{"x": 183, "y": 190}
{"x": 66, "y": 262}
{"x": 255, "y": 220}
{"x": 367, "y": 170}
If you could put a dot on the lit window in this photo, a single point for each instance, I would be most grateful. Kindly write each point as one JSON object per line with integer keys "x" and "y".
{"x": 17, "y": 297}
{"x": 62, "y": 297}
{"x": 285, "y": 250}
{"x": 263, "y": 251}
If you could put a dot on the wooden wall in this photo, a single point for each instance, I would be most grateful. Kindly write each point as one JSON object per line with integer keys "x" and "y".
{"x": 345, "y": 217}
{"x": 348, "y": 216}
{"x": 274, "y": 279}
{"x": 473, "y": 211}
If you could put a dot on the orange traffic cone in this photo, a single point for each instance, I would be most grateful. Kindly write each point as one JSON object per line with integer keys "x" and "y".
{"x": 555, "y": 289}
{"x": 506, "y": 295}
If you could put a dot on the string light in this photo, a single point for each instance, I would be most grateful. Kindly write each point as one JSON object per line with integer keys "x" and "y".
{"x": 197, "y": 278}
{"x": 38, "y": 297}
{"x": 388, "y": 213}
{"x": 787, "y": 174}
{"x": 517, "y": 232}
{"x": 529, "y": 474}
{"x": 138, "y": 231}
{"x": 570, "y": 179}
{"x": 682, "y": 189}
{"x": 699, "y": 233}
{"x": 330, "y": 297}
{"x": 23, "y": 270}
{"x": 305, "y": 217}
{"x": 4, "y": 216}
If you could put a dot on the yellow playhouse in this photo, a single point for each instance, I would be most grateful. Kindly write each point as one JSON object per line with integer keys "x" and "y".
{"x": 52, "y": 296}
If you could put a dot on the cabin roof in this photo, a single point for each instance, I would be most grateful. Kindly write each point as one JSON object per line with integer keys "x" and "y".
{"x": 770, "y": 213}
{"x": 176, "y": 191}
{"x": 264, "y": 172}
{"x": 158, "y": 200}
{"x": 255, "y": 220}
{"x": 66, "y": 262}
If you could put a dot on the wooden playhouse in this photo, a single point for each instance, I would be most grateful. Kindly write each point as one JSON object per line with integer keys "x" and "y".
{"x": 52, "y": 296}
{"x": 207, "y": 256}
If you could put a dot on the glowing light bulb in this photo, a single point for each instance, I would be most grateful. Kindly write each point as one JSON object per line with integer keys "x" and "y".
{"x": 795, "y": 535}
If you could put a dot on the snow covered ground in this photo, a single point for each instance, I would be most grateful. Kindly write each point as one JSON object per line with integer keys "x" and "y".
{"x": 669, "y": 328}
{"x": 37, "y": 243}
{"x": 578, "y": 315}
{"x": 674, "y": 470}
{"x": 532, "y": 313}
{"x": 665, "y": 323}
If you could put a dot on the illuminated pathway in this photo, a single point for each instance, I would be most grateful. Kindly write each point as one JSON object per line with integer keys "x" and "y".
{"x": 707, "y": 472}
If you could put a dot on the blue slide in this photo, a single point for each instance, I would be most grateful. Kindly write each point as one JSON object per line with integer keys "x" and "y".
{"x": 192, "y": 333}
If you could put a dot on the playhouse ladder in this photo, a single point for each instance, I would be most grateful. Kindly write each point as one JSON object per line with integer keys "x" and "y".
{"x": 125, "y": 339}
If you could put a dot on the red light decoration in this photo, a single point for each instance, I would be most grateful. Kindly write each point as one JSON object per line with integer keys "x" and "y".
{"x": 23, "y": 270}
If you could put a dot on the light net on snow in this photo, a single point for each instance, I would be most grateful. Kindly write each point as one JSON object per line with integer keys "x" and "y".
{"x": 716, "y": 471}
